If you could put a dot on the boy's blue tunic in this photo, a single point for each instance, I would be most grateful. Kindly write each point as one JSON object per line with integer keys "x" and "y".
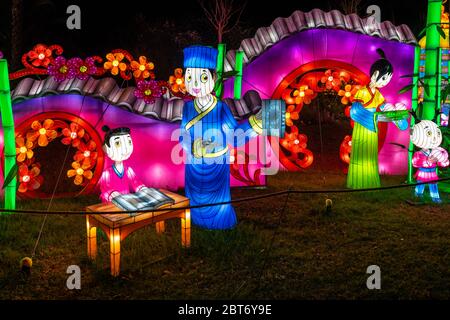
{"x": 207, "y": 179}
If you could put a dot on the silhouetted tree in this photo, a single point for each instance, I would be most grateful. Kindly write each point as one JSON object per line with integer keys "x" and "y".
{"x": 162, "y": 41}
{"x": 223, "y": 15}
{"x": 349, "y": 6}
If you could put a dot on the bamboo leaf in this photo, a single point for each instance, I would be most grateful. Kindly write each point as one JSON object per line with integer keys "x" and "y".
{"x": 445, "y": 92}
{"x": 409, "y": 76}
{"x": 441, "y": 31}
{"x": 422, "y": 33}
{"x": 426, "y": 87}
{"x": 229, "y": 74}
{"x": 419, "y": 111}
{"x": 10, "y": 176}
{"x": 406, "y": 88}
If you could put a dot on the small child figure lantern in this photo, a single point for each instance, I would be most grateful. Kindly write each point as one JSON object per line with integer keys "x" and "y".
{"x": 427, "y": 136}
{"x": 119, "y": 178}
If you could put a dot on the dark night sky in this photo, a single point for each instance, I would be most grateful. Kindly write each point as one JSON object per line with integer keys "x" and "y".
{"x": 150, "y": 27}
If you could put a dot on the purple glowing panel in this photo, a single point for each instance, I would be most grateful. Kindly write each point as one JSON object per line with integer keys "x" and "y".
{"x": 153, "y": 142}
{"x": 268, "y": 70}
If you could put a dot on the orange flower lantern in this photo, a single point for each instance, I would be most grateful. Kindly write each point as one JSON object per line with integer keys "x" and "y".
{"x": 79, "y": 172}
{"x": 23, "y": 149}
{"x": 142, "y": 69}
{"x": 114, "y": 63}
{"x": 44, "y": 133}
{"x": 72, "y": 135}
{"x": 177, "y": 81}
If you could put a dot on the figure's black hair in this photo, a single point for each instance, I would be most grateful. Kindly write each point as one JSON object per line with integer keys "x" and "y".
{"x": 113, "y": 132}
{"x": 383, "y": 66}
{"x": 213, "y": 73}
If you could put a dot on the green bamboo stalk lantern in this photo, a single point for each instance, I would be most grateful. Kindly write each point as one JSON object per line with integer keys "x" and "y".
{"x": 238, "y": 77}
{"x": 8, "y": 134}
{"x": 414, "y": 106}
{"x": 221, "y": 48}
{"x": 432, "y": 67}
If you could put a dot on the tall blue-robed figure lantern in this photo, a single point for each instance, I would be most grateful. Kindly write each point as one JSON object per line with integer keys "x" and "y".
{"x": 208, "y": 131}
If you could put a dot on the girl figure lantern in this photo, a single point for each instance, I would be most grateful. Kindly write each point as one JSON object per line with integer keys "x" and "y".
{"x": 427, "y": 136}
{"x": 367, "y": 110}
{"x": 118, "y": 178}
{"x": 207, "y": 128}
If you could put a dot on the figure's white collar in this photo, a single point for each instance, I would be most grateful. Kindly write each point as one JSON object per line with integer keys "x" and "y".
{"x": 205, "y": 102}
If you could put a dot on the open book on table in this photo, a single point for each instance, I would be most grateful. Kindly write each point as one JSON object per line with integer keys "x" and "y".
{"x": 144, "y": 199}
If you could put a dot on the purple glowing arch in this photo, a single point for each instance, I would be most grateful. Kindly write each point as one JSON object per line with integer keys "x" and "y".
{"x": 268, "y": 70}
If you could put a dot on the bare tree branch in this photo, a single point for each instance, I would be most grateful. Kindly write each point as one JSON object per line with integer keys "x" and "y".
{"x": 349, "y": 6}
{"x": 223, "y": 15}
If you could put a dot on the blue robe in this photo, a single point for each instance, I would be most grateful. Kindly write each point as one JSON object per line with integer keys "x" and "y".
{"x": 207, "y": 180}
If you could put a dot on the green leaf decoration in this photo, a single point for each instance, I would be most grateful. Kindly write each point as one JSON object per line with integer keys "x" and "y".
{"x": 426, "y": 87}
{"x": 444, "y": 93}
{"x": 409, "y": 76}
{"x": 11, "y": 175}
{"x": 230, "y": 74}
{"x": 406, "y": 88}
{"x": 441, "y": 31}
{"x": 422, "y": 33}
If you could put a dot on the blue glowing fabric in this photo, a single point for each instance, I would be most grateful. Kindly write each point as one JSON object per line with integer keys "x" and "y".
{"x": 207, "y": 181}
{"x": 363, "y": 116}
{"x": 200, "y": 57}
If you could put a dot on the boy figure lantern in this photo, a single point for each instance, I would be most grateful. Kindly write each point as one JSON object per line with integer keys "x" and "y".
{"x": 367, "y": 110}
{"x": 427, "y": 136}
{"x": 207, "y": 128}
{"x": 118, "y": 178}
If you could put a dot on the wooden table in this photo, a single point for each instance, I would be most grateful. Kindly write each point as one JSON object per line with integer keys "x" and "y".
{"x": 118, "y": 226}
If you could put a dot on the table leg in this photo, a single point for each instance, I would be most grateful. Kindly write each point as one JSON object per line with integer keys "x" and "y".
{"x": 91, "y": 239}
{"x": 186, "y": 229}
{"x": 160, "y": 227}
{"x": 114, "y": 241}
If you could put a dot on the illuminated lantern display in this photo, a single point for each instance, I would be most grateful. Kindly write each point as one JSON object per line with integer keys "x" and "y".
{"x": 204, "y": 139}
{"x": 363, "y": 171}
{"x": 118, "y": 178}
{"x": 312, "y": 56}
{"x": 314, "y": 49}
{"x": 427, "y": 136}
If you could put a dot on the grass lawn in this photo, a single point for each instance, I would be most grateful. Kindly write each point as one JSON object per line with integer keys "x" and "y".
{"x": 300, "y": 252}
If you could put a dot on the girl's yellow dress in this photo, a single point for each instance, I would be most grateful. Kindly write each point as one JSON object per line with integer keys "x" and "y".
{"x": 363, "y": 170}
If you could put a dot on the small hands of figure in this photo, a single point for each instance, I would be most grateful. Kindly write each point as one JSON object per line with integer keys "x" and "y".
{"x": 140, "y": 188}
{"x": 114, "y": 194}
{"x": 388, "y": 107}
{"x": 397, "y": 107}
{"x": 439, "y": 155}
{"x": 258, "y": 116}
{"x": 400, "y": 106}
{"x": 201, "y": 147}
